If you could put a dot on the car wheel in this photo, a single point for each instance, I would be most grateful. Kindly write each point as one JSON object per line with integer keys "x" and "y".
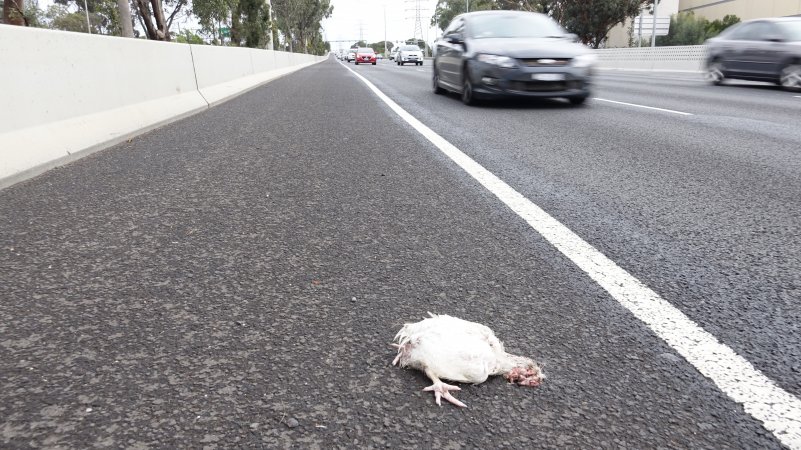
{"x": 357, "y": 63}
{"x": 577, "y": 100}
{"x": 437, "y": 88}
{"x": 714, "y": 73}
{"x": 373, "y": 63}
{"x": 421, "y": 63}
{"x": 791, "y": 77}
{"x": 468, "y": 97}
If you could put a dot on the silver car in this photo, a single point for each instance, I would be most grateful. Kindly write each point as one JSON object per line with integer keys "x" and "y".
{"x": 757, "y": 50}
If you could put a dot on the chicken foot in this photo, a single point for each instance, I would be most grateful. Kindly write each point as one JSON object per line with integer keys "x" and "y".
{"x": 442, "y": 390}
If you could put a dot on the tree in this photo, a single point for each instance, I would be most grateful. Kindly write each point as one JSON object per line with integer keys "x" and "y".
{"x": 14, "y": 13}
{"x": 446, "y": 10}
{"x": 591, "y": 20}
{"x": 250, "y": 23}
{"x": 189, "y": 37}
{"x": 300, "y": 22}
{"x": 249, "y": 20}
{"x": 379, "y": 46}
{"x": 210, "y": 15}
{"x": 104, "y": 16}
{"x": 717, "y": 26}
{"x": 687, "y": 29}
{"x": 156, "y": 24}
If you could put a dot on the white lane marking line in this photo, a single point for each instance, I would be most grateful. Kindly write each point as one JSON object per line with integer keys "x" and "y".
{"x": 779, "y": 411}
{"x": 643, "y": 106}
{"x": 797, "y": 96}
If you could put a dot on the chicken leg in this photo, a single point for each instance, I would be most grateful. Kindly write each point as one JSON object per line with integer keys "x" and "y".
{"x": 442, "y": 390}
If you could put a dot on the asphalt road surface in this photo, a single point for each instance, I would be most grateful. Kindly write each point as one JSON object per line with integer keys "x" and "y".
{"x": 234, "y": 279}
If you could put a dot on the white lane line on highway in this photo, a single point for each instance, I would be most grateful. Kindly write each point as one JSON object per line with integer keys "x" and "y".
{"x": 779, "y": 411}
{"x": 643, "y": 106}
{"x": 797, "y": 96}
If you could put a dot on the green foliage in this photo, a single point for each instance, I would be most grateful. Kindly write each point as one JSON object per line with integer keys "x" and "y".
{"x": 446, "y": 10}
{"x": 253, "y": 20}
{"x": 189, "y": 37}
{"x": 211, "y": 14}
{"x": 717, "y": 26}
{"x": 591, "y": 20}
{"x": 379, "y": 47}
{"x": 687, "y": 29}
{"x": 104, "y": 16}
{"x": 248, "y": 20}
{"x": 300, "y": 23}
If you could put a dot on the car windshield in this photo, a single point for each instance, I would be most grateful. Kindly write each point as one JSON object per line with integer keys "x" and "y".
{"x": 792, "y": 29}
{"x": 366, "y": 50}
{"x": 513, "y": 26}
{"x": 410, "y": 48}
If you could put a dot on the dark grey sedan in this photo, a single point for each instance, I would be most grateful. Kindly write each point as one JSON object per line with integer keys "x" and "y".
{"x": 511, "y": 53}
{"x": 758, "y": 50}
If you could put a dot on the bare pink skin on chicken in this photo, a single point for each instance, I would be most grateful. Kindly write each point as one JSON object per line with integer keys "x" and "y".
{"x": 524, "y": 376}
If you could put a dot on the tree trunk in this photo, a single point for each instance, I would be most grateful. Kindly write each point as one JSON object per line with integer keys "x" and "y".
{"x": 161, "y": 24}
{"x": 14, "y": 13}
{"x": 125, "y": 18}
{"x": 147, "y": 19}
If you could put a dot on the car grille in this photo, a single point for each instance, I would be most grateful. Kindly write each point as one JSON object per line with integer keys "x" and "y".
{"x": 543, "y": 86}
{"x": 545, "y": 62}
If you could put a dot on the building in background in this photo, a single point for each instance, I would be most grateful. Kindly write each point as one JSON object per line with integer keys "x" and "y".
{"x": 621, "y": 35}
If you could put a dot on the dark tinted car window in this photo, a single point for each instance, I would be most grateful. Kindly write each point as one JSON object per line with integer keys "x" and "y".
{"x": 457, "y": 23}
{"x": 791, "y": 30}
{"x": 756, "y": 31}
{"x": 513, "y": 26}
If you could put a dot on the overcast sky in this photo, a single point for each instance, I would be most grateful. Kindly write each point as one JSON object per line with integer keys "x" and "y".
{"x": 368, "y": 15}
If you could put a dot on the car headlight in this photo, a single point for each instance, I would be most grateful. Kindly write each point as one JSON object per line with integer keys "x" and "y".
{"x": 497, "y": 60}
{"x": 585, "y": 60}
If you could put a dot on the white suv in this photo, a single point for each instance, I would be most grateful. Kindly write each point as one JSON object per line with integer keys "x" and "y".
{"x": 409, "y": 54}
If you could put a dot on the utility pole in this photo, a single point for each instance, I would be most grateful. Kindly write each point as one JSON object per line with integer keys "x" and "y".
{"x": 125, "y": 18}
{"x": 386, "y": 51}
{"x": 86, "y": 10}
{"x": 270, "y": 18}
{"x": 653, "y": 27}
{"x": 639, "y": 29}
{"x": 466, "y": 5}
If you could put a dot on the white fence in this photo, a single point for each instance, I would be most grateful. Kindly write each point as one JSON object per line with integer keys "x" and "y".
{"x": 65, "y": 95}
{"x": 688, "y": 58}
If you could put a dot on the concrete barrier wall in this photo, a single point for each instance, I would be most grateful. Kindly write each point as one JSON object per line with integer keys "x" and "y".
{"x": 64, "y": 95}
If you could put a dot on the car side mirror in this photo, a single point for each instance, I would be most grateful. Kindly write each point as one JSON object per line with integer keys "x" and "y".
{"x": 774, "y": 38}
{"x": 572, "y": 37}
{"x": 454, "y": 38}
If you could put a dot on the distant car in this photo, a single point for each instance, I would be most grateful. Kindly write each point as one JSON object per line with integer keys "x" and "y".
{"x": 393, "y": 53}
{"x": 511, "y": 53}
{"x": 758, "y": 50}
{"x": 409, "y": 54}
{"x": 351, "y": 56}
{"x": 365, "y": 55}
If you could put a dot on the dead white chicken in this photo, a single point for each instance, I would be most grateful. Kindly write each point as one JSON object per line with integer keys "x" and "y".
{"x": 446, "y": 347}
